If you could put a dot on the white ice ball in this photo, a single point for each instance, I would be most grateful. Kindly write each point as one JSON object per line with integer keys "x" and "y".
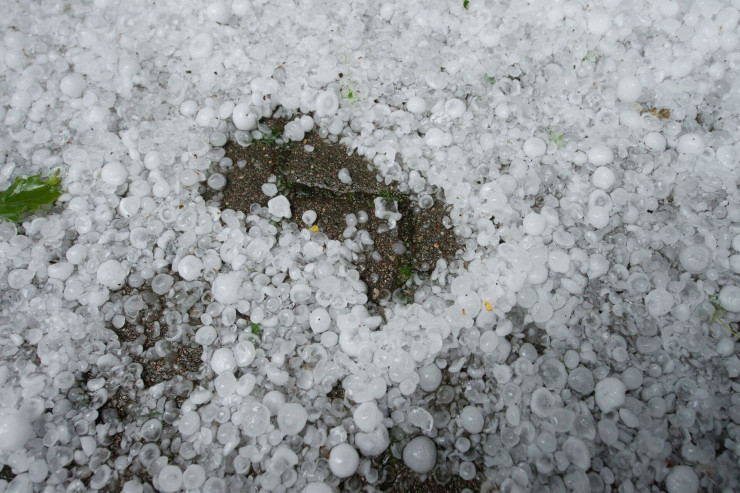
{"x": 534, "y": 147}
{"x": 430, "y": 376}
{"x": 225, "y": 288}
{"x": 190, "y": 267}
{"x": 534, "y": 224}
{"x": 327, "y": 103}
{"x": 610, "y": 394}
{"x": 114, "y": 174}
{"x": 279, "y": 206}
{"x": 599, "y": 23}
{"x": 471, "y": 418}
{"x": 319, "y": 320}
{"x": 72, "y": 85}
{"x": 367, "y": 416}
{"x": 223, "y": 360}
{"x": 692, "y": 144}
{"x": 15, "y": 430}
{"x": 343, "y": 460}
{"x": 420, "y": 455}
{"x": 317, "y": 487}
{"x": 112, "y": 274}
{"x": 729, "y": 298}
{"x": 682, "y": 479}
{"x": 292, "y": 418}
{"x": 603, "y": 178}
{"x": 600, "y": 155}
{"x": 170, "y": 479}
{"x": 416, "y": 105}
{"x": 629, "y": 89}
{"x": 243, "y": 117}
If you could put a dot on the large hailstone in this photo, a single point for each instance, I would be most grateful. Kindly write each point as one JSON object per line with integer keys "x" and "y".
{"x": 610, "y": 394}
{"x": 225, "y": 288}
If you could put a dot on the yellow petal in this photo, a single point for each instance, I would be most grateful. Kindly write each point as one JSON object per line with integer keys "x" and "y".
{"x": 488, "y": 306}
{"x": 314, "y": 228}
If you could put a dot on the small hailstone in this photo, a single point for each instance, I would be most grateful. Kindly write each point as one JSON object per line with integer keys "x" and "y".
{"x": 659, "y": 302}
{"x": 367, "y": 416}
{"x": 603, "y": 178}
{"x": 279, "y": 206}
{"x": 190, "y": 267}
{"x": 317, "y": 487}
{"x": 112, "y": 274}
{"x": 437, "y": 138}
{"x": 309, "y": 217}
{"x": 225, "y": 288}
{"x": 472, "y": 419}
{"x": 218, "y": 12}
{"x": 114, "y": 174}
{"x": 729, "y": 298}
{"x": 610, "y": 394}
{"x": 319, "y": 320}
{"x": 292, "y": 418}
{"x": 223, "y": 360}
{"x": 682, "y": 479}
{"x": 170, "y": 478}
{"x": 600, "y": 155}
{"x": 534, "y": 224}
{"x": 344, "y": 176}
{"x": 73, "y": 85}
{"x": 599, "y": 22}
{"x": 15, "y": 431}
{"x": 455, "y": 108}
{"x": 430, "y": 376}
{"x": 655, "y": 141}
{"x": 241, "y": 8}
{"x": 695, "y": 259}
{"x": 692, "y": 144}
{"x": 629, "y": 89}
{"x": 416, "y": 105}
{"x": 343, "y": 460}
{"x": 327, "y": 103}
{"x": 535, "y": 147}
{"x": 420, "y": 455}
{"x": 243, "y": 117}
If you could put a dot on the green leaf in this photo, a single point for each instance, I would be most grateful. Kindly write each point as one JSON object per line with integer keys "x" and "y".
{"x": 28, "y": 194}
{"x": 466, "y": 3}
{"x": 255, "y": 328}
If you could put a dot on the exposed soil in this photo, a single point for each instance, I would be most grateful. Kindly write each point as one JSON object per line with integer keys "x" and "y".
{"x": 310, "y": 181}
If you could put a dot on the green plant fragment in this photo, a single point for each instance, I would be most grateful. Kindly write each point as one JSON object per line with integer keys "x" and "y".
{"x": 28, "y": 194}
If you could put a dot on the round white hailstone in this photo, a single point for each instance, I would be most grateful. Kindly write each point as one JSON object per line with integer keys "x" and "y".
{"x": 292, "y": 418}
{"x": 60, "y": 270}
{"x": 279, "y": 206}
{"x": 73, "y": 85}
{"x": 294, "y": 131}
{"x": 319, "y": 320}
{"x": 416, "y": 105}
{"x": 534, "y": 224}
{"x": 374, "y": 443}
{"x": 729, "y": 298}
{"x": 420, "y": 455}
{"x": 344, "y": 176}
{"x": 309, "y": 217}
{"x": 317, "y": 487}
{"x": 629, "y": 89}
{"x": 187, "y": 108}
{"x": 437, "y": 138}
{"x": 256, "y": 419}
{"x": 194, "y": 476}
{"x": 735, "y": 244}
{"x": 223, "y": 360}
{"x": 218, "y": 12}
{"x": 15, "y": 430}
{"x": 599, "y": 23}
{"x": 695, "y": 259}
{"x": 655, "y": 141}
{"x": 170, "y": 479}
{"x": 243, "y": 118}
{"x": 489, "y": 341}
{"x": 472, "y": 419}
{"x": 201, "y": 46}
{"x": 190, "y": 267}
{"x": 455, "y": 108}
{"x": 367, "y": 416}
{"x": 681, "y": 67}
{"x": 610, "y": 394}
{"x": 241, "y": 7}
{"x": 430, "y": 376}
{"x": 76, "y": 254}
{"x": 206, "y": 117}
{"x": 112, "y": 274}
{"x": 327, "y": 104}
{"x": 603, "y": 178}
{"x": 690, "y": 144}
{"x": 600, "y": 155}
{"x": 114, "y": 174}
{"x": 682, "y": 479}
{"x": 343, "y": 460}
{"x": 534, "y": 147}
{"x": 598, "y": 217}
{"x": 659, "y": 302}
{"x": 225, "y": 288}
